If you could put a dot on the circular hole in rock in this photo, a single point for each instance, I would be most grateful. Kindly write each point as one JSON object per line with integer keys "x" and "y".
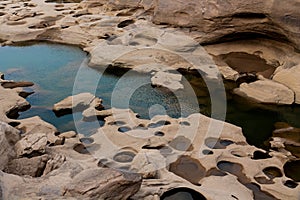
{"x": 207, "y": 152}
{"x": 165, "y": 151}
{"x": 181, "y": 143}
{"x": 226, "y": 142}
{"x": 272, "y": 172}
{"x": 189, "y": 169}
{"x": 117, "y": 123}
{"x": 259, "y": 155}
{"x": 124, "y": 157}
{"x": 184, "y": 123}
{"x": 182, "y": 194}
{"x": 103, "y": 163}
{"x": 86, "y": 140}
{"x": 291, "y": 170}
{"x": 124, "y": 129}
{"x": 215, "y": 143}
{"x": 234, "y": 169}
{"x": 290, "y": 184}
{"x": 80, "y": 148}
{"x": 159, "y": 134}
{"x": 14, "y": 124}
{"x": 159, "y": 124}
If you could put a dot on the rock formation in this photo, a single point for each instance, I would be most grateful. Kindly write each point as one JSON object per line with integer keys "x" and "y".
{"x": 150, "y": 159}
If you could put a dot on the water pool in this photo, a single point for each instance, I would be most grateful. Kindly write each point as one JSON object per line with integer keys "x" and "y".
{"x": 53, "y": 69}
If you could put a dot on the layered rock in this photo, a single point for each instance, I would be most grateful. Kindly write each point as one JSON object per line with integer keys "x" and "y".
{"x": 266, "y": 91}
{"x": 289, "y": 77}
{"x": 162, "y": 148}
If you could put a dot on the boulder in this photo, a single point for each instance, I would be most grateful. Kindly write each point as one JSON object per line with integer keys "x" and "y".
{"x": 27, "y": 166}
{"x": 266, "y": 91}
{"x": 31, "y": 143}
{"x": 35, "y": 125}
{"x": 8, "y": 137}
{"x": 290, "y": 78}
{"x": 103, "y": 183}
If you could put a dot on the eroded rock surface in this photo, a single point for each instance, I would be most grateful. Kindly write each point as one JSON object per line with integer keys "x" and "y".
{"x": 121, "y": 34}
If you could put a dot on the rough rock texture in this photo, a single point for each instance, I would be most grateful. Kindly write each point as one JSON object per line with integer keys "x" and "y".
{"x": 104, "y": 183}
{"x": 31, "y": 143}
{"x": 11, "y": 103}
{"x": 162, "y": 150}
{"x": 290, "y": 78}
{"x": 109, "y": 29}
{"x": 266, "y": 91}
{"x": 218, "y": 19}
{"x": 71, "y": 181}
{"x": 27, "y": 166}
{"x": 8, "y": 137}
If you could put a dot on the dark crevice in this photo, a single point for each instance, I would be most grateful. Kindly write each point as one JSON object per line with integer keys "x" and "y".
{"x": 236, "y": 36}
{"x": 248, "y": 15}
{"x": 125, "y": 23}
{"x": 182, "y": 193}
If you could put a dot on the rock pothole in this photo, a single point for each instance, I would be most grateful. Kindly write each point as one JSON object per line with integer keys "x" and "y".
{"x": 215, "y": 143}
{"x": 124, "y": 157}
{"x": 291, "y": 170}
{"x": 182, "y": 193}
{"x": 189, "y": 169}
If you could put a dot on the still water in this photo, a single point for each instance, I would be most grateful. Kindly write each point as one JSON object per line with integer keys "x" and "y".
{"x": 56, "y": 69}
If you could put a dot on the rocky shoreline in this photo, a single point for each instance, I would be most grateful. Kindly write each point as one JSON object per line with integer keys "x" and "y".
{"x": 152, "y": 159}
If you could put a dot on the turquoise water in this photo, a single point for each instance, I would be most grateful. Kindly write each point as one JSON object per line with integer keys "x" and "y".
{"x": 59, "y": 71}
{"x": 54, "y": 70}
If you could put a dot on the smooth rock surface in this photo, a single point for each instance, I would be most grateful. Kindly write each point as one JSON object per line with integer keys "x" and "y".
{"x": 77, "y": 103}
{"x": 167, "y": 80}
{"x": 266, "y": 91}
{"x": 290, "y": 78}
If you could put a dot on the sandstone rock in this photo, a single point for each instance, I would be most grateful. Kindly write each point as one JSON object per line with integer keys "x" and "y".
{"x": 12, "y": 84}
{"x": 8, "y": 137}
{"x": 147, "y": 163}
{"x": 31, "y": 143}
{"x": 27, "y": 166}
{"x": 35, "y": 125}
{"x": 167, "y": 80}
{"x": 217, "y": 19}
{"x": 54, "y": 163}
{"x": 290, "y": 78}
{"x": 69, "y": 134}
{"x": 266, "y": 91}
{"x": 104, "y": 183}
{"x": 92, "y": 114}
{"x": 10, "y": 104}
{"x": 77, "y": 103}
